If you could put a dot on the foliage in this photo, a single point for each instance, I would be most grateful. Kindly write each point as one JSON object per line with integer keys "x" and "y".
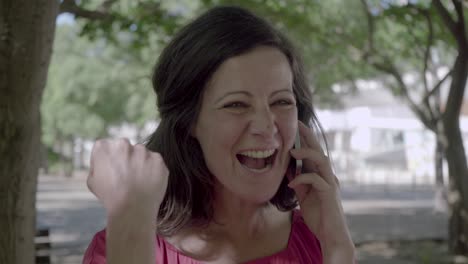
{"x": 145, "y": 22}
{"x": 101, "y": 65}
{"x": 341, "y": 41}
{"x": 329, "y": 35}
{"x": 92, "y": 86}
{"x": 340, "y": 46}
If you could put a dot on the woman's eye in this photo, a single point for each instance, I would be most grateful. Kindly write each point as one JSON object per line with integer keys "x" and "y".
{"x": 235, "y": 105}
{"x": 283, "y": 102}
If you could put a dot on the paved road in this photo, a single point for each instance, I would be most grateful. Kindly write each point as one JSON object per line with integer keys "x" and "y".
{"x": 373, "y": 212}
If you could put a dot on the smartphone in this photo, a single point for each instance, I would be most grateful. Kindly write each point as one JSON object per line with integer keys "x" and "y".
{"x": 297, "y": 145}
{"x": 296, "y": 163}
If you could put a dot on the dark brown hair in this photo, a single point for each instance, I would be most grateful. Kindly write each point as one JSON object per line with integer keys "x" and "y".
{"x": 180, "y": 76}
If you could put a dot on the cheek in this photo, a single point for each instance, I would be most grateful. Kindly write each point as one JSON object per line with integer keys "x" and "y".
{"x": 217, "y": 148}
{"x": 218, "y": 137}
{"x": 287, "y": 125}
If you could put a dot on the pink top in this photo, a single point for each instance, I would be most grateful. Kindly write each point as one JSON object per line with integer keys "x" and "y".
{"x": 303, "y": 248}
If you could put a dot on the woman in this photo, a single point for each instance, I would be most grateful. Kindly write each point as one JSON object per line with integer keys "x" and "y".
{"x": 232, "y": 95}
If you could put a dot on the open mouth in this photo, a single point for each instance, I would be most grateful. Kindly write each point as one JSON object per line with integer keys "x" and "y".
{"x": 257, "y": 161}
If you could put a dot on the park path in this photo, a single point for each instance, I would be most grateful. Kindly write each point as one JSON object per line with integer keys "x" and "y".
{"x": 374, "y": 213}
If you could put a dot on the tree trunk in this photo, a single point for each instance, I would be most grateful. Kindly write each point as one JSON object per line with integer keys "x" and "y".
{"x": 456, "y": 158}
{"x": 440, "y": 203}
{"x": 458, "y": 223}
{"x": 26, "y": 37}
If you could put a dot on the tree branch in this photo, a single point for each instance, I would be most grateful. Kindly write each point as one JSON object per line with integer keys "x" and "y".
{"x": 445, "y": 15}
{"x": 459, "y": 9}
{"x": 437, "y": 101}
{"x": 454, "y": 27}
{"x": 101, "y": 13}
{"x": 427, "y": 57}
{"x": 437, "y": 86}
{"x": 418, "y": 111}
{"x": 387, "y": 67}
{"x": 370, "y": 27}
{"x": 106, "y": 5}
{"x": 420, "y": 49}
{"x": 425, "y": 13}
{"x": 430, "y": 41}
{"x": 461, "y": 24}
{"x": 457, "y": 89}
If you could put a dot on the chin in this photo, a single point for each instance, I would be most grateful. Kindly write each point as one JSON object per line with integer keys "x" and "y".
{"x": 262, "y": 197}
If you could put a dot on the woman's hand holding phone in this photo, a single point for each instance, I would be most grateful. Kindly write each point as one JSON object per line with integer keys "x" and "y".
{"x": 296, "y": 166}
{"x": 317, "y": 190}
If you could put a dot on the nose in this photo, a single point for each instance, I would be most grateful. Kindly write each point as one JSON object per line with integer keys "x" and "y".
{"x": 263, "y": 123}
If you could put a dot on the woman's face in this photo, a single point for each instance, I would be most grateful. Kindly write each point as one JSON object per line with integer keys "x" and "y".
{"x": 247, "y": 123}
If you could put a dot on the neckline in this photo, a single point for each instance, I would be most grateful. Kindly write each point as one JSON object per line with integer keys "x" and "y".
{"x": 294, "y": 216}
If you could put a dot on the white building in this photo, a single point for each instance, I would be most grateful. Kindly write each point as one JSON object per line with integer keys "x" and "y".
{"x": 376, "y": 139}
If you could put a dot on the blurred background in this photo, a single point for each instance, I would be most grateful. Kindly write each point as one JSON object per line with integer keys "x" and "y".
{"x": 385, "y": 76}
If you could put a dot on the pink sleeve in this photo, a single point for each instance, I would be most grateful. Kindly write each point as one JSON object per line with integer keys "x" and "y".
{"x": 96, "y": 252}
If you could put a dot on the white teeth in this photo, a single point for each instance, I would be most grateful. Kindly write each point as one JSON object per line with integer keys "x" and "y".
{"x": 267, "y": 167}
{"x": 258, "y": 154}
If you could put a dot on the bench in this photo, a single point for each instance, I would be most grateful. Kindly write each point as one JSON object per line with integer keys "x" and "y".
{"x": 43, "y": 246}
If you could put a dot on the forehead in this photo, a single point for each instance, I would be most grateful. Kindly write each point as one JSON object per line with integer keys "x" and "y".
{"x": 261, "y": 69}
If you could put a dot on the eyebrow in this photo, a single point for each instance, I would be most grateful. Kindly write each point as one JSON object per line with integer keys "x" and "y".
{"x": 250, "y": 95}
